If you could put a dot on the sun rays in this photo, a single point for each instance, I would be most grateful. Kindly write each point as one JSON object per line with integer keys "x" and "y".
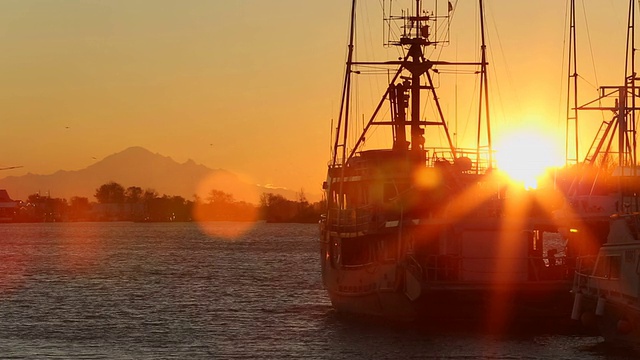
{"x": 496, "y": 203}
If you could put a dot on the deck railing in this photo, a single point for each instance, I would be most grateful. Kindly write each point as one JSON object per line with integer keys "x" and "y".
{"x": 478, "y": 161}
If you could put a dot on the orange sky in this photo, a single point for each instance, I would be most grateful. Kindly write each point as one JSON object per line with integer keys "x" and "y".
{"x": 248, "y": 85}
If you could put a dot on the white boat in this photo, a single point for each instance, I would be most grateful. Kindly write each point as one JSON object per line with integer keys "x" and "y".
{"x": 607, "y": 288}
{"x": 414, "y": 231}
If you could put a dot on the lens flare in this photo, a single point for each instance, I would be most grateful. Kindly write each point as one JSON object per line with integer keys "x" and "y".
{"x": 222, "y": 196}
{"x": 427, "y": 178}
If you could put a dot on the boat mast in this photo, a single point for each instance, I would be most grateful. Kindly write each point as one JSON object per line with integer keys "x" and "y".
{"x": 414, "y": 39}
{"x": 625, "y": 103}
{"x": 623, "y": 122}
{"x": 417, "y": 137}
{"x": 416, "y": 52}
{"x": 627, "y": 115}
{"x": 346, "y": 97}
{"x": 484, "y": 86}
{"x": 572, "y": 80}
{"x": 629, "y": 157}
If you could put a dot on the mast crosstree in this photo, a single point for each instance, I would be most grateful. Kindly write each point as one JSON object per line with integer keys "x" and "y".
{"x": 414, "y": 75}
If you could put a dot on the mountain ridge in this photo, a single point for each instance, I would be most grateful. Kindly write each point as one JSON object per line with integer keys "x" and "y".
{"x": 137, "y": 166}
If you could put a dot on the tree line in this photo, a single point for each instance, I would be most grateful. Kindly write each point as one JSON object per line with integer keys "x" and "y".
{"x": 114, "y": 202}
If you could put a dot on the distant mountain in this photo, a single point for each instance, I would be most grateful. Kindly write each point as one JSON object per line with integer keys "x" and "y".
{"x": 137, "y": 166}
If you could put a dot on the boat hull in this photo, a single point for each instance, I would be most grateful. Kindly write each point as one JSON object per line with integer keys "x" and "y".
{"x": 498, "y": 304}
{"x": 387, "y": 305}
{"x": 447, "y": 273}
{"x": 491, "y": 308}
{"x": 617, "y": 323}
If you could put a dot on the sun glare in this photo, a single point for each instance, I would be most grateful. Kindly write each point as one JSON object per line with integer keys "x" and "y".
{"x": 526, "y": 154}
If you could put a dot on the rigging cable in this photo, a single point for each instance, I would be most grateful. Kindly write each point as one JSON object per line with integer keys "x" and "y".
{"x": 565, "y": 36}
{"x": 593, "y": 61}
{"x": 496, "y": 83}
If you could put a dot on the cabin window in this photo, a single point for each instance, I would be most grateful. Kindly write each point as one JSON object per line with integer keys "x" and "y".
{"x": 608, "y": 267}
{"x": 364, "y": 194}
{"x": 388, "y": 248}
{"x": 356, "y": 251}
{"x": 334, "y": 199}
{"x": 335, "y": 252}
{"x": 352, "y": 197}
{"x": 614, "y": 269}
{"x": 356, "y": 195}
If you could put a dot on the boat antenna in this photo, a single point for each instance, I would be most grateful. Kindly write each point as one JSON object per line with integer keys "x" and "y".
{"x": 572, "y": 84}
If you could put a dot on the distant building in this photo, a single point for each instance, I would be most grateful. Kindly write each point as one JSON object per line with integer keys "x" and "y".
{"x": 8, "y": 207}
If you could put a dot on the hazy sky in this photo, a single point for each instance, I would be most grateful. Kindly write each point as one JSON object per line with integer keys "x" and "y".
{"x": 246, "y": 85}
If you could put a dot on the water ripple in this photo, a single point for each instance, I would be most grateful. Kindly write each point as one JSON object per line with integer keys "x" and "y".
{"x": 149, "y": 291}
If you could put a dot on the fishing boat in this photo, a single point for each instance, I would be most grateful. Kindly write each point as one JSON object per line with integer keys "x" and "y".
{"x": 416, "y": 230}
{"x": 607, "y": 284}
{"x": 606, "y": 181}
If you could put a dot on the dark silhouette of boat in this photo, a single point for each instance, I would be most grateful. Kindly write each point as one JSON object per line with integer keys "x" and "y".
{"x": 414, "y": 231}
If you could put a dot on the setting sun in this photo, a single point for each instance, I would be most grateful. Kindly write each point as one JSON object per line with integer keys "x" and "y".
{"x": 526, "y": 154}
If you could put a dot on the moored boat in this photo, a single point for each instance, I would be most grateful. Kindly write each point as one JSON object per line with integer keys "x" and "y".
{"x": 415, "y": 231}
{"x": 607, "y": 280}
{"x": 607, "y": 288}
{"x": 607, "y": 180}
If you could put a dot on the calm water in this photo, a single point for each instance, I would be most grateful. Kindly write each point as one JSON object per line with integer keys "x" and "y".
{"x": 170, "y": 291}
